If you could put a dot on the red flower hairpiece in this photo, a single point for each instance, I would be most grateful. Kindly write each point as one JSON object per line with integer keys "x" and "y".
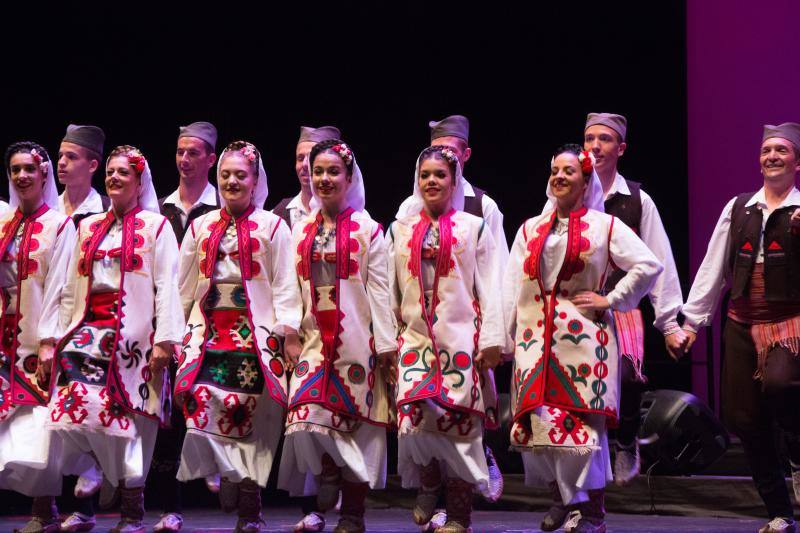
{"x": 587, "y": 160}
{"x": 249, "y": 152}
{"x": 37, "y": 157}
{"x": 344, "y": 152}
{"x": 136, "y": 161}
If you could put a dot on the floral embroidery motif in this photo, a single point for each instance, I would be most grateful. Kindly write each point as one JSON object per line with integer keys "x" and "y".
{"x": 247, "y": 374}
{"x": 195, "y": 407}
{"x": 112, "y": 412}
{"x": 238, "y": 416}
{"x": 71, "y": 402}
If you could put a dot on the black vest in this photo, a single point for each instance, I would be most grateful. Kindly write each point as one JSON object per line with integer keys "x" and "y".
{"x": 106, "y": 204}
{"x": 781, "y": 251}
{"x": 282, "y": 212}
{"x": 474, "y": 204}
{"x": 173, "y": 214}
{"x": 627, "y": 208}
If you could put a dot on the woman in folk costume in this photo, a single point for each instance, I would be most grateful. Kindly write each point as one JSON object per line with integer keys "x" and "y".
{"x": 122, "y": 316}
{"x": 338, "y": 405}
{"x": 240, "y": 294}
{"x": 565, "y": 385}
{"x": 445, "y": 280}
{"x": 36, "y": 243}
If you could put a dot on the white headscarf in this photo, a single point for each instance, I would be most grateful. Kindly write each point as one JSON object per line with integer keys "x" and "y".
{"x": 148, "y": 200}
{"x": 261, "y": 191}
{"x": 49, "y": 193}
{"x": 592, "y": 196}
{"x": 355, "y": 196}
{"x": 416, "y": 204}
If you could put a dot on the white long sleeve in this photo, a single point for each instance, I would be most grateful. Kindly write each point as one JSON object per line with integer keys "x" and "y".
{"x": 512, "y": 285}
{"x": 188, "y": 269}
{"x": 712, "y": 275}
{"x": 640, "y": 264}
{"x": 394, "y": 284}
{"x": 170, "y": 321}
{"x": 494, "y": 221}
{"x": 488, "y": 285}
{"x": 66, "y": 308}
{"x": 383, "y": 321}
{"x": 54, "y": 283}
{"x": 286, "y": 298}
{"x": 665, "y": 296}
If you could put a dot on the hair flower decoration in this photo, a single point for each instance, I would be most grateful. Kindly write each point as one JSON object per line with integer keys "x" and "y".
{"x": 249, "y": 152}
{"x": 450, "y": 156}
{"x": 587, "y": 161}
{"x": 344, "y": 152}
{"x": 136, "y": 161}
{"x": 36, "y": 156}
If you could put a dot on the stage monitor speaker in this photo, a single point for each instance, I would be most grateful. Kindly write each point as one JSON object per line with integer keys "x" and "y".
{"x": 679, "y": 433}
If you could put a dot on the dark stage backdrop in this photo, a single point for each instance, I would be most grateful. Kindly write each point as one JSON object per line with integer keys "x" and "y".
{"x": 525, "y": 75}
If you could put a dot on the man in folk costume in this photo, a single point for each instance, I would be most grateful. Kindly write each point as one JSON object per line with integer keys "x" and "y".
{"x": 195, "y": 196}
{"x": 239, "y": 292}
{"x": 296, "y": 208}
{"x": 445, "y": 276}
{"x": 79, "y": 156}
{"x": 605, "y": 136}
{"x": 756, "y": 246}
{"x": 195, "y": 155}
{"x": 36, "y": 243}
{"x": 566, "y": 361}
{"x": 338, "y": 401}
{"x": 121, "y": 312}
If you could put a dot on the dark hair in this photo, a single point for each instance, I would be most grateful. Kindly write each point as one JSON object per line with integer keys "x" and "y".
{"x": 435, "y": 152}
{"x": 125, "y": 150}
{"x": 326, "y": 146}
{"x": 574, "y": 149}
{"x": 237, "y": 146}
{"x": 25, "y": 147}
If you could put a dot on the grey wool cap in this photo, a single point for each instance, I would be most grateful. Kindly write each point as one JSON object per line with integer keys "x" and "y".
{"x": 200, "y": 130}
{"x": 452, "y": 126}
{"x": 90, "y": 137}
{"x": 617, "y": 123}
{"x": 317, "y": 135}
{"x": 788, "y": 130}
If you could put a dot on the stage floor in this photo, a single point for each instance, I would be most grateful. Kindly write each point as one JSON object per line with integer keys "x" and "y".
{"x": 399, "y": 520}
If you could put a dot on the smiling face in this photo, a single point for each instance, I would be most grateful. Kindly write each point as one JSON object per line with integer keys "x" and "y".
{"x": 605, "y": 144}
{"x": 122, "y": 183}
{"x": 436, "y": 183}
{"x": 301, "y": 164}
{"x": 194, "y": 159}
{"x": 780, "y": 160}
{"x": 330, "y": 179}
{"x": 237, "y": 180}
{"x": 566, "y": 180}
{"x": 26, "y": 178}
{"x": 75, "y": 164}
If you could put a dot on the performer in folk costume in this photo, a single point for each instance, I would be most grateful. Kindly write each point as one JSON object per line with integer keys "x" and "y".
{"x": 445, "y": 277}
{"x": 36, "y": 243}
{"x": 605, "y": 136}
{"x": 194, "y": 157}
{"x": 338, "y": 405}
{"x": 565, "y": 384}
{"x": 240, "y": 295}
{"x": 79, "y": 156}
{"x": 756, "y": 245}
{"x": 294, "y": 209}
{"x": 121, "y": 313}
